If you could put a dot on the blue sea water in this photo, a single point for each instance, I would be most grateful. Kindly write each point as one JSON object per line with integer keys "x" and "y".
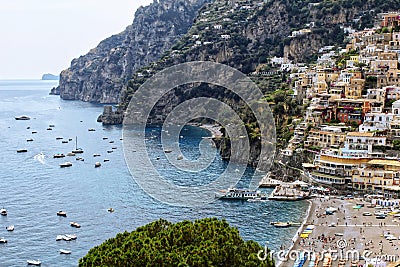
{"x": 33, "y": 187}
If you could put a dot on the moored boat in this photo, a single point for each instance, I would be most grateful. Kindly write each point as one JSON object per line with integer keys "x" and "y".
{"x": 22, "y": 150}
{"x": 62, "y": 213}
{"x": 97, "y": 164}
{"x": 3, "y": 212}
{"x": 57, "y": 156}
{"x": 64, "y": 251}
{"x": 75, "y": 224}
{"x": 10, "y": 228}
{"x": 65, "y": 164}
{"x": 22, "y": 118}
{"x": 2, "y": 240}
{"x": 34, "y": 262}
{"x": 241, "y": 194}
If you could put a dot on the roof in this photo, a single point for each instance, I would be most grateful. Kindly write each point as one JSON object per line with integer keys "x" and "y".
{"x": 366, "y": 134}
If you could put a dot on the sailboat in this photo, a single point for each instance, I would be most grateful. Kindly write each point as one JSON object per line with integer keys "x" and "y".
{"x": 77, "y": 150}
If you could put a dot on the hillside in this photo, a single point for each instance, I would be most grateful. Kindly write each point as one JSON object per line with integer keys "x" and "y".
{"x": 99, "y": 75}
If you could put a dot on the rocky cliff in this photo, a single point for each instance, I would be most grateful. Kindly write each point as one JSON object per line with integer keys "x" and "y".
{"x": 100, "y": 75}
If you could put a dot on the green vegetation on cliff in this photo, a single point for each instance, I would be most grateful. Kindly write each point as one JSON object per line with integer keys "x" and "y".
{"x": 205, "y": 242}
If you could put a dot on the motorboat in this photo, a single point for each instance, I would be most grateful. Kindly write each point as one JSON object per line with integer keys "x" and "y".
{"x": 59, "y": 237}
{"x": 59, "y": 138}
{"x": 34, "y": 262}
{"x": 367, "y": 213}
{"x": 110, "y": 210}
{"x": 3, "y": 212}
{"x": 97, "y": 164}
{"x": 22, "y": 150}
{"x": 91, "y": 129}
{"x": 33, "y": 132}
{"x": 22, "y": 118}
{"x": 64, "y": 141}
{"x": 81, "y": 159}
{"x": 10, "y": 228}
{"x": 167, "y": 151}
{"x": 105, "y": 138}
{"x": 62, "y": 213}
{"x": 71, "y": 154}
{"x": 96, "y": 155}
{"x": 29, "y": 140}
{"x": 64, "y": 251}
{"x": 49, "y": 129}
{"x": 106, "y": 160}
{"x": 75, "y": 224}
{"x": 110, "y": 151}
{"x": 56, "y": 156}
{"x": 52, "y": 126}
{"x": 2, "y": 240}
{"x": 66, "y": 164}
{"x": 72, "y": 237}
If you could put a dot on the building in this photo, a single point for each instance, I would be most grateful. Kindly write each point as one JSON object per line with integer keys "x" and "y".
{"x": 361, "y": 145}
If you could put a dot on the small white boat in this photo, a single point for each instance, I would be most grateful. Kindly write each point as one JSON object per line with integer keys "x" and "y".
{"x": 62, "y": 213}
{"x": 66, "y": 164}
{"x": 10, "y": 228}
{"x": 71, "y": 154}
{"x": 72, "y": 237}
{"x": 180, "y": 157}
{"x": 3, "y": 212}
{"x": 75, "y": 224}
{"x": 64, "y": 251}
{"x": 66, "y": 238}
{"x": 59, "y": 237}
{"x": 110, "y": 210}
{"x": 97, "y": 164}
{"x": 57, "y": 156}
{"x": 2, "y": 240}
{"x": 22, "y": 118}
{"x": 33, "y": 262}
{"x": 91, "y": 129}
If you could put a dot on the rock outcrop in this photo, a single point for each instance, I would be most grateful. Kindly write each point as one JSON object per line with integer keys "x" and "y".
{"x": 100, "y": 75}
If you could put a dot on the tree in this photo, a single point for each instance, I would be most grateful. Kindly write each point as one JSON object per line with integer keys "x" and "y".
{"x": 205, "y": 242}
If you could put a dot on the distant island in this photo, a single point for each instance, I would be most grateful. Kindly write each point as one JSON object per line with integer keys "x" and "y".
{"x": 49, "y": 76}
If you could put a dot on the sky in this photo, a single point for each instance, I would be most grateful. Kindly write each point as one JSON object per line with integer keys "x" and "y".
{"x": 43, "y": 36}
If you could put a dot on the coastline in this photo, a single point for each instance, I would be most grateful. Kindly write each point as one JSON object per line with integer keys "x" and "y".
{"x": 214, "y": 129}
{"x": 296, "y": 236}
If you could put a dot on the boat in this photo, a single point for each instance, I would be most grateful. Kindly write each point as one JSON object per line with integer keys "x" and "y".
{"x": 114, "y": 147}
{"x": 22, "y": 150}
{"x": 242, "y": 194}
{"x": 110, "y": 151}
{"x": 167, "y": 151}
{"x": 49, "y": 129}
{"x": 33, "y": 132}
{"x": 59, "y": 237}
{"x": 3, "y": 212}
{"x": 2, "y": 240}
{"x": 64, "y": 141}
{"x": 64, "y": 251}
{"x": 111, "y": 142}
{"x": 59, "y": 138}
{"x": 367, "y": 213}
{"x": 33, "y": 262}
{"x": 22, "y": 118}
{"x": 180, "y": 157}
{"x": 268, "y": 182}
{"x": 282, "y": 224}
{"x": 52, "y": 126}
{"x": 10, "y": 228}
{"x": 105, "y": 138}
{"x": 66, "y": 164}
{"x": 62, "y": 213}
{"x": 29, "y": 140}
{"x": 75, "y": 224}
{"x": 72, "y": 237}
{"x": 66, "y": 238}
{"x": 97, "y": 164}
{"x": 71, "y": 154}
{"x": 106, "y": 160}
{"x": 56, "y": 156}
{"x": 81, "y": 159}
{"x": 110, "y": 210}
{"x": 96, "y": 155}
{"x": 77, "y": 150}
{"x": 91, "y": 129}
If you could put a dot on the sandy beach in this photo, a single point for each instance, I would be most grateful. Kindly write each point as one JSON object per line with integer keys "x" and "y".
{"x": 347, "y": 234}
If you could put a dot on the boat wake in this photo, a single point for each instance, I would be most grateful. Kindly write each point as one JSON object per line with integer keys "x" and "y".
{"x": 40, "y": 157}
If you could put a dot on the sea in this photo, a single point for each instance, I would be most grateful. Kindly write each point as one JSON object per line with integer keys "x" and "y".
{"x": 33, "y": 187}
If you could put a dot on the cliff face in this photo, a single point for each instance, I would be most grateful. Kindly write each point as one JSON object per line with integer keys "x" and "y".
{"x": 100, "y": 75}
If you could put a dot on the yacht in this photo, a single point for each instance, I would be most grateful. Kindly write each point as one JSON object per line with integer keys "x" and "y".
{"x": 63, "y": 251}
{"x": 3, "y": 212}
{"x": 33, "y": 262}
{"x": 242, "y": 194}
{"x": 22, "y": 118}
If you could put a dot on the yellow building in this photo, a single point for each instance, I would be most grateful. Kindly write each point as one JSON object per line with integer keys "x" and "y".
{"x": 376, "y": 175}
{"x": 354, "y": 89}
